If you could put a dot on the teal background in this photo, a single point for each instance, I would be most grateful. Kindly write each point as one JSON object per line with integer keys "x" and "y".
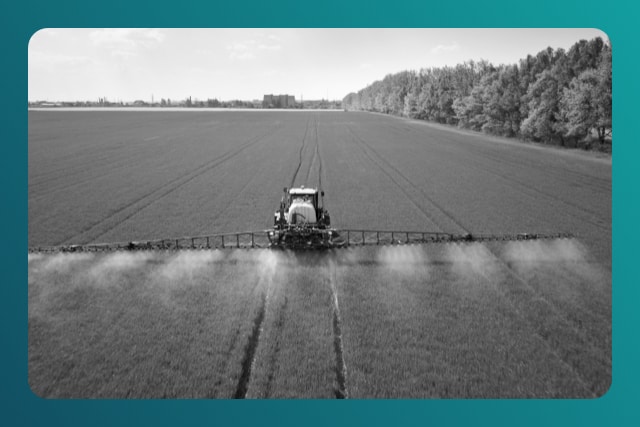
{"x": 18, "y": 21}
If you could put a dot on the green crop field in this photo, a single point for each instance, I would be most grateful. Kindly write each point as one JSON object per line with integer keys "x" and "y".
{"x": 520, "y": 319}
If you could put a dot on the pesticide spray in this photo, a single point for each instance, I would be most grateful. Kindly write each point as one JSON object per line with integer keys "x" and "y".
{"x": 529, "y": 255}
{"x": 103, "y": 270}
{"x": 403, "y": 260}
{"x": 187, "y": 265}
{"x": 59, "y": 263}
{"x": 465, "y": 260}
{"x": 471, "y": 260}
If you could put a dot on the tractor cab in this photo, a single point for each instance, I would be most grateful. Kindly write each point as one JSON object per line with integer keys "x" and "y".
{"x": 301, "y": 207}
{"x": 303, "y": 195}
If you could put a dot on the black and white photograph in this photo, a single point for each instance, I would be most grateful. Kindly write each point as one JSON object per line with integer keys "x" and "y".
{"x": 319, "y": 213}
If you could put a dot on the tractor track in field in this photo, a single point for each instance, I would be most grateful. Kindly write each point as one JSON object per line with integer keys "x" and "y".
{"x": 591, "y": 181}
{"x": 230, "y": 205}
{"x": 340, "y": 388}
{"x": 115, "y": 156}
{"x": 112, "y": 155}
{"x": 579, "y": 178}
{"x": 577, "y": 212}
{"x": 302, "y": 147}
{"x": 558, "y": 308}
{"x": 112, "y": 220}
{"x": 319, "y": 163}
{"x": 397, "y": 177}
{"x": 273, "y": 359}
{"x": 120, "y": 162}
{"x": 248, "y": 359}
{"x": 251, "y": 346}
{"x": 319, "y": 157}
{"x": 232, "y": 345}
{"x": 227, "y": 358}
{"x": 315, "y": 153}
{"x": 532, "y": 295}
{"x": 585, "y": 213}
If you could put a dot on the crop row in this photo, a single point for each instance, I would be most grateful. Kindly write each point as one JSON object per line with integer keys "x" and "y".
{"x": 441, "y": 321}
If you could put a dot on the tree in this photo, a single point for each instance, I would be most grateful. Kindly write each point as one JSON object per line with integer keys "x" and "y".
{"x": 213, "y": 103}
{"x": 548, "y": 97}
{"x": 410, "y": 106}
{"x": 352, "y": 101}
{"x": 543, "y": 106}
{"x": 501, "y": 101}
{"x": 586, "y": 103}
{"x": 469, "y": 111}
{"x": 585, "y": 55}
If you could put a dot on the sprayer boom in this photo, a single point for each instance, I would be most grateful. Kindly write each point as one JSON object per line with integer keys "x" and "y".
{"x": 305, "y": 238}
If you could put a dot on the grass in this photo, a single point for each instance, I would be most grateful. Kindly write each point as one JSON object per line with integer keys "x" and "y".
{"x": 419, "y": 322}
{"x": 158, "y": 326}
{"x": 446, "y": 320}
{"x": 450, "y": 326}
{"x": 295, "y": 357}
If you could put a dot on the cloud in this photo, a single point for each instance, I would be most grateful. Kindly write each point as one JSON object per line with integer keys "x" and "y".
{"x": 243, "y": 56}
{"x": 50, "y": 60}
{"x": 249, "y": 49}
{"x": 203, "y": 52}
{"x": 242, "y": 50}
{"x": 126, "y": 42}
{"x": 123, "y": 53}
{"x": 269, "y": 46}
{"x": 445, "y": 48}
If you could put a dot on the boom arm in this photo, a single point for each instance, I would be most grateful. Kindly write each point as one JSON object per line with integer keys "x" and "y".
{"x": 330, "y": 238}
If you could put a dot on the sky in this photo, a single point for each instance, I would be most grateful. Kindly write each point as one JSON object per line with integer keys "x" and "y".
{"x": 143, "y": 64}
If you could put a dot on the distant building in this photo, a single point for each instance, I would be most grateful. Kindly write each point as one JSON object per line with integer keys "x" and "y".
{"x": 279, "y": 101}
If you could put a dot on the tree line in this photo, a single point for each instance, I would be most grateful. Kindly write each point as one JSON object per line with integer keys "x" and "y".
{"x": 556, "y": 97}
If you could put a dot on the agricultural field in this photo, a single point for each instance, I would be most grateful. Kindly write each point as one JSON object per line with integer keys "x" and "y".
{"x": 500, "y": 319}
